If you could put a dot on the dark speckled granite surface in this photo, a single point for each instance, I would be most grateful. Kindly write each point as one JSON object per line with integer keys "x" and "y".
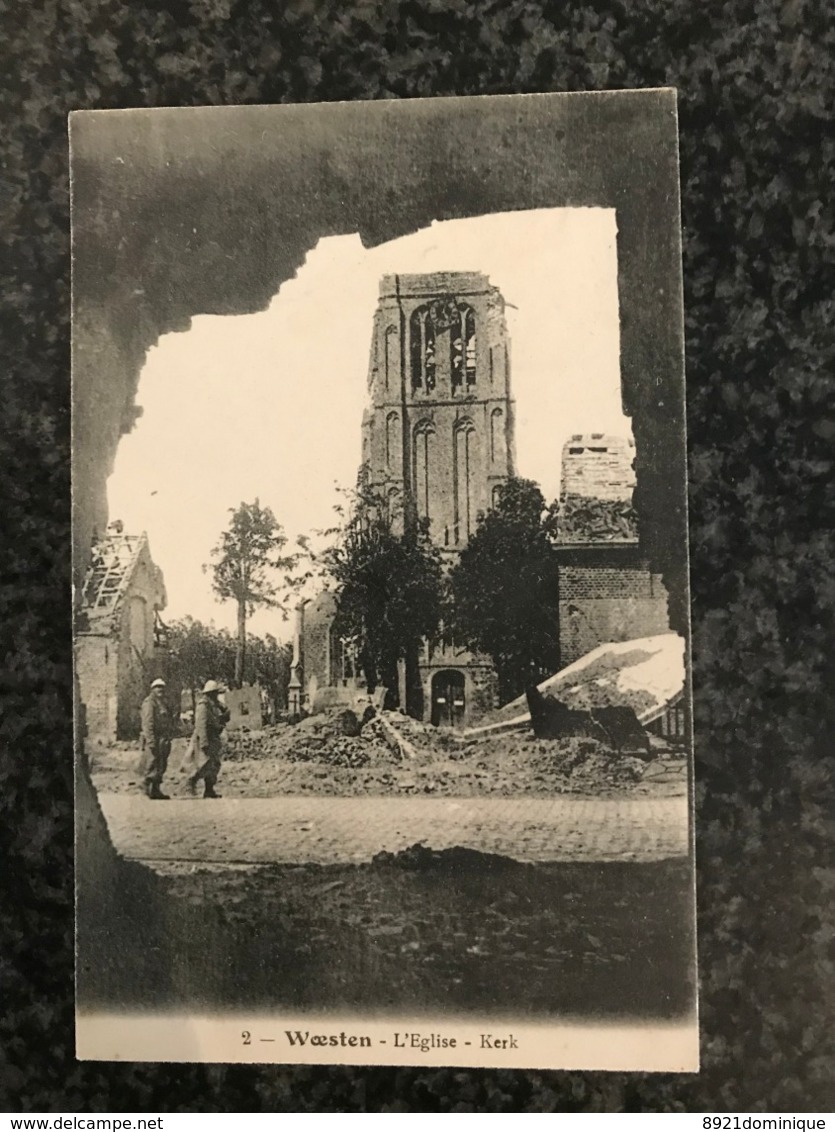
{"x": 756, "y": 87}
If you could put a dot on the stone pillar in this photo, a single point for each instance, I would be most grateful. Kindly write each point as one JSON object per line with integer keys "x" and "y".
{"x": 402, "y": 686}
{"x": 295, "y": 687}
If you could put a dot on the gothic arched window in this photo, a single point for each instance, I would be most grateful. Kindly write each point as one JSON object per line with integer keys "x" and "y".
{"x": 462, "y": 347}
{"x": 465, "y": 459}
{"x": 393, "y": 442}
{"x": 394, "y": 509}
{"x": 424, "y": 447}
{"x": 497, "y": 444}
{"x": 496, "y": 496}
{"x": 443, "y": 345}
{"x": 390, "y": 361}
{"x": 422, "y": 338}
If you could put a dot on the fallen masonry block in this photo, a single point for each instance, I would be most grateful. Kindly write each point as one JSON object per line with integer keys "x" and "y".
{"x": 617, "y": 727}
{"x": 400, "y": 743}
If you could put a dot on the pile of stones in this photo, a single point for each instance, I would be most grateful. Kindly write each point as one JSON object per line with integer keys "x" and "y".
{"x": 334, "y": 738}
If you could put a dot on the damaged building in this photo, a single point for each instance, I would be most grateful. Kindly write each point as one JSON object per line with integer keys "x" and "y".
{"x": 120, "y": 641}
{"x": 437, "y": 436}
{"x": 598, "y": 466}
{"x": 607, "y": 591}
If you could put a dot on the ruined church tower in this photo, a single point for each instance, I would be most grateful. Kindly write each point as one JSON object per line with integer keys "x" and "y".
{"x": 438, "y": 432}
{"x": 437, "y": 441}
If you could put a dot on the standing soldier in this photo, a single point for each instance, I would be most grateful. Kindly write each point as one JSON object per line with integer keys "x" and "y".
{"x": 155, "y": 744}
{"x": 210, "y": 719}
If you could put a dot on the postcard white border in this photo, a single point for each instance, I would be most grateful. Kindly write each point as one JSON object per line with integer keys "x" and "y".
{"x": 623, "y": 1046}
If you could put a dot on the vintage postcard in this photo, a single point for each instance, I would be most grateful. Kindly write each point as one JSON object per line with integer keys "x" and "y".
{"x": 383, "y": 721}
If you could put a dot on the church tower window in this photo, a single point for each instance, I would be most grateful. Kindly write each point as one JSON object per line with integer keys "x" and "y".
{"x": 424, "y": 452}
{"x": 465, "y": 509}
{"x": 462, "y": 348}
{"x": 392, "y": 442}
{"x": 497, "y": 444}
{"x": 394, "y": 510}
{"x": 422, "y": 337}
{"x": 391, "y": 360}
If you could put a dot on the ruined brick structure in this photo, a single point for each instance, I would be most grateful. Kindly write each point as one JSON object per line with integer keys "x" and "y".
{"x": 598, "y": 466}
{"x": 328, "y": 662}
{"x": 607, "y": 592}
{"x": 437, "y": 438}
{"x": 119, "y": 643}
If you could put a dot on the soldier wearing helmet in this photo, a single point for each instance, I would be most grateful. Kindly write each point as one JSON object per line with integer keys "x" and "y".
{"x": 155, "y": 742}
{"x": 210, "y": 719}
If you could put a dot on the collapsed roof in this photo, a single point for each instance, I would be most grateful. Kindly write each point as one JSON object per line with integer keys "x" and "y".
{"x": 646, "y": 674}
{"x": 114, "y": 563}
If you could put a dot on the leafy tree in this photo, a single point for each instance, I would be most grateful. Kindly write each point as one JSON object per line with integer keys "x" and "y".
{"x": 268, "y": 663}
{"x": 246, "y": 560}
{"x": 504, "y": 588}
{"x": 200, "y": 652}
{"x": 388, "y": 586}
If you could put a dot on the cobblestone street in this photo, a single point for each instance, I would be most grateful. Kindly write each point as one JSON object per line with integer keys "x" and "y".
{"x": 321, "y": 830}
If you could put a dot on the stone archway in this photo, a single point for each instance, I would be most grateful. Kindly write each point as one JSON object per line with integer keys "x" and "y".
{"x": 449, "y": 698}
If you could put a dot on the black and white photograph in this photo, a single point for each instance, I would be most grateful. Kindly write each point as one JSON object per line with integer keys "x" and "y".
{"x": 383, "y": 723}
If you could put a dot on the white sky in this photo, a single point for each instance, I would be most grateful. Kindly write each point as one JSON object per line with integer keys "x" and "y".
{"x": 270, "y": 404}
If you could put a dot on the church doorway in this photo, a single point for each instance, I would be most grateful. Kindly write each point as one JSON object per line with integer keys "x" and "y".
{"x": 448, "y": 701}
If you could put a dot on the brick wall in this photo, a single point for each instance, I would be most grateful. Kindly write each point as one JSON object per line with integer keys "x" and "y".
{"x": 95, "y": 664}
{"x": 598, "y": 582}
{"x": 608, "y": 596}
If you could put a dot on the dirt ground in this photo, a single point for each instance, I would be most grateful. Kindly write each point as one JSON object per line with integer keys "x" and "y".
{"x": 452, "y": 931}
{"x": 445, "y": 933}
{"x": 317, "y": 757}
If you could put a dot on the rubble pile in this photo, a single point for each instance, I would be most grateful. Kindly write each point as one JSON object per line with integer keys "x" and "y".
{"x": 330, "y": 753}
{"x": 311, "y": 759}
{"x": 586, "y": 764}
{"x": 246, "y": 744}
{"x": 375, "y": 731}
{"x": 441, "y": 761}
{"x": 563, "y": 765}
{"x": 340, "y": 750}
{"x": 424, "y": 737}
{"x": 602, "y": 771}
{"x": 601, "y": 694}
{"x": 420, "y": 858}
{"x": 333, "y": 738}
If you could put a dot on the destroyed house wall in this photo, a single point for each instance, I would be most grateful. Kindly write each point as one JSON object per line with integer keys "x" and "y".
{"x": 315, "y": 644}
{"x": 116, "y": 650}
{"x": 95, "y": 666}
{"x": 139, "y": 659}
{"x": 607, "y": 592}
{"x": 599, "y": 466}
{"x": 607, "y": 595}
